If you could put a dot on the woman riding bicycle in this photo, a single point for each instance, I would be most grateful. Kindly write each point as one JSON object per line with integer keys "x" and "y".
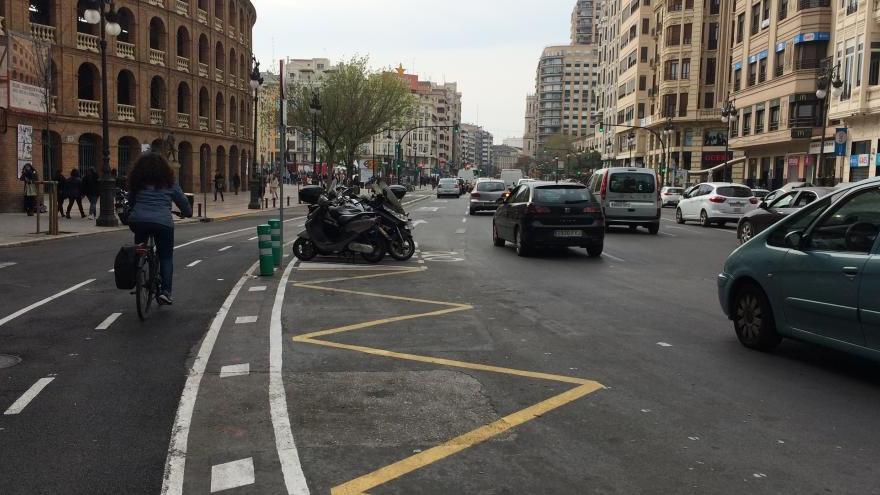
{"x": 152, "y": 189}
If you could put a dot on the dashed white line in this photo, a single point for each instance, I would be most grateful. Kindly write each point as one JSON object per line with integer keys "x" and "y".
{"x": 615, "y": 258}
{"x": 246, "y": 320}
{"x": 194, "y": 263}
{"x": 109, "y": 321}
{"x": 175, "y": 463}
{"x": 664, "y": 344}
{"x": 254, "y": 238}
{"x": 111, "y": 270}
{"x": 232, "y": 475}
{"x": 667, "y": 234}
{"x": 464, "y": 220}
{"x": 259, "y": 288}
{"x": 227, "y": 248}
{"x": 26, "y": 398}
{"x": 37, "y": 304}
{"x": 235, "y": 370}
{"x": 7, "y": 264}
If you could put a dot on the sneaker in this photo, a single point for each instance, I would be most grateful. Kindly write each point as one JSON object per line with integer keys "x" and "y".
{"x": 166, "y": 299}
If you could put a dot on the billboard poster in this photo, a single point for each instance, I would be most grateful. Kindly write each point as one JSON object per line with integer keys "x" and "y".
{"x": 25, "y": 146}
{"x": 27, "y": 71}
{"x": 4, "y": 72}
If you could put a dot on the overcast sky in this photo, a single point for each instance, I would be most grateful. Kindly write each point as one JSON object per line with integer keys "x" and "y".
{"x": 489, "y": 47}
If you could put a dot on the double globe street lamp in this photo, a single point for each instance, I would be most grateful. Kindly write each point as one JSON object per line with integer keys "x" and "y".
{"x": 103, "y": 12}
{"x": 256, "y": 180}
{"x": 315, "y": 110}
{"x": 728, "y": 115}
{"x": 829, "y": 78}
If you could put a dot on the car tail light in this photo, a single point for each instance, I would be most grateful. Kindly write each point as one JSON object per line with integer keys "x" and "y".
{"x": 717, "y": 199}
{"x": 475, "y": 195}
{"x": 753, "y": 201}
{"x": 604, "y": 185}
{"x": 592, "y": 209}
{"x": 534, "y": 209}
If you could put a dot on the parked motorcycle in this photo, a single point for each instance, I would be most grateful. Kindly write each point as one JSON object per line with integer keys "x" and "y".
{"x": 123, "y": 206}
{"x": 395, "y": 223}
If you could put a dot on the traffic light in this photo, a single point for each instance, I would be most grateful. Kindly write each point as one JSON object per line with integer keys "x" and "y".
{"x": 602, "y": 128}
{"x": 456, "y": 128}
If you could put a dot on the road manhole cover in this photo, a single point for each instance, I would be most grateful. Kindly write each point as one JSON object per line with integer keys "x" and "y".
{"x": 8, "y": 361}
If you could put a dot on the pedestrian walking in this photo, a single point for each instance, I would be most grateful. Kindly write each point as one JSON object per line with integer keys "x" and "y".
{"x": 59, "y": 190}
{"x": 73, "y": 192}
{"x": 219, "y": 183}
{"x": 90, "y": 190}
{"x": 236, "y": 183}
{"x": 273, "y": 186}
{"x": 29, "y": 177}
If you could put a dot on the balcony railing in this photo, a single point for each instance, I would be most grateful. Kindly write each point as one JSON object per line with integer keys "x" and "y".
{"x": 157, "y": 57}
{"x": 182, "y": 7}
{"x": 203, "y": 70}
{"x": 241, "y": 38}
{"x": 202, "y": 16}
{"x": 183, "y": 120}
{"x": 759, "y": 128}
{"x": 778, "y": 71}
{"x": 813, "y": 4}
{"x": 852, "y": 8}
{"x": 203, "y": 124}
{"x": 157, "y": 3}
{"x": 218, "y": 24}
{"x": 802, "y": 122}
{"x": 125, "y": 113}
{"x": 182, "y": 64}
{"x": 85, "y": 41}
{"x": 157, "y": 116}
{"x": 218, "y": 75}
{"x": 241, "y": 131}
{"x": 230, "y": 30}
{"x": 232, "y": 130}
{"x": 88, "y": 108}
{"x": 43, "y": 33}
{"x": 218, "y": 126}
{"x": 2, "y": 20}
{"x": 782, "y": 13}
{"x": 774, "y": 126}
{"x": 751, "y": 79}
{"x": 124, "y": 50}
{"x": 807, "y": 64}
{"x": 53, "y": 101}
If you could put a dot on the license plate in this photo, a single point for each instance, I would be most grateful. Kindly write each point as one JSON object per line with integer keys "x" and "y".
{"x": 568, "y": 233}
{"x": 737, "y": 210}
{"x": 620, "y": 204}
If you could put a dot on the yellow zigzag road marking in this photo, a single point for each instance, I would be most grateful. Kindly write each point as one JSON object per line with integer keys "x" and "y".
{"x": 384, "y": 475}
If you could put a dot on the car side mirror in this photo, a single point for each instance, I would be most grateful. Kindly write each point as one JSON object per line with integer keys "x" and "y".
{"x": 794, "y": 239}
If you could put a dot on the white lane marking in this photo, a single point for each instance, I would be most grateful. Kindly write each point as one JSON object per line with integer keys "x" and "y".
{"x": 220, "y": 280}
{"x": 175, "y": 462}
{"x": 461, "y": 231}
{"x": 235, "y": 370}
{"x": 615, "y": 258}
{"x": 421, "y": 262}
{"x": 7, "y": 263}
{"x": 416, "y": 243}
{"x": 259, "y": 288}
{"x": 109, "y": 321}
{"x": 232, "y": 475}
{"x": 676, "y": 228}
{"x": 227, "y": 248}
{"x": 44, "y": 301}
{"x": 464, "y": 220}
{"x": 246, "y": 320}
{"x": 194, "y": 263}
{"x": 664, "y": 344}
{"x": 294, "y": 478}
{"x": 254, "y": 238}
{"x": 667, "y": 235}
{"x": 202, "y": 239}
{"x": 26, "y": 398}
{"x": 419, "y": 222}
{"x": 111, "y": 270}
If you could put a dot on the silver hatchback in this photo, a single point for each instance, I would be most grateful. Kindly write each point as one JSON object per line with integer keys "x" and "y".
{"x": 448, "y": 187}
{"x": 486, "y": 194}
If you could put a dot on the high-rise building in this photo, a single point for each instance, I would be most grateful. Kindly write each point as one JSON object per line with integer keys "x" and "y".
{"x": 530, "y": 133}
{"x": 564, "y": 89}
{"x": 310, "y": 72}
{"x": 583, "y": 22}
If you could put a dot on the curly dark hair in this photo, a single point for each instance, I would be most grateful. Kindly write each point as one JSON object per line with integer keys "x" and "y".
{"x": 151, "y": 169}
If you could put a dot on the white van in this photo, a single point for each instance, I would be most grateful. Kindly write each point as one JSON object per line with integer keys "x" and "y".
{"x": 511, "y": 176}
{"x": 629, "y": 196}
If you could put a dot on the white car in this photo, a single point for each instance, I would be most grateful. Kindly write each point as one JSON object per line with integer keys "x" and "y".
{"x": 715, "y": 202}
{"x": 670, "y": 196}
{"x": 448, "y": 187}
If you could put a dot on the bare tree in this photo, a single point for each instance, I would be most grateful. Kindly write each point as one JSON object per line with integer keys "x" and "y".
{"x": 47, "y": 79}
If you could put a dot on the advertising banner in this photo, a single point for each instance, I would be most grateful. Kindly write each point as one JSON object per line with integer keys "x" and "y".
{"x": 28, "y": 74}
{"x": 25, "y": 146}
{"x": 840, "y": 138}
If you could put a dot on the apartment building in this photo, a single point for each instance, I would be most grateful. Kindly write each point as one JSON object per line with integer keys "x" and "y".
{"x": 504, "y": 157}
{"x": 776, "y": 48}
{"x": 268, "y": 132}
{"x": 857, "y": 107}
{"x": 530, "y": 133}
{"x": 565, "y": 82}
{"x": 583, "y": 22}
{"x": 308, "y": 71}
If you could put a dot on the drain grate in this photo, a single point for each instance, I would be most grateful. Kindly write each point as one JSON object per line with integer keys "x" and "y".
{"x": 8, "y": 360}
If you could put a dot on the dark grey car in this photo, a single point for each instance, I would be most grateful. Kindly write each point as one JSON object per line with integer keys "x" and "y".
{"x": 485, "y": 195}
{"x": 784, "y": 203}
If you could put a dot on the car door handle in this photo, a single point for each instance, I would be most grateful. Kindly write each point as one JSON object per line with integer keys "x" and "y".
{"x": 850, "y": 271}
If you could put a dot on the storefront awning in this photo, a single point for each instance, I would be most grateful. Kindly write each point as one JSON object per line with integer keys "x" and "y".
{"x": 735, "y": 161}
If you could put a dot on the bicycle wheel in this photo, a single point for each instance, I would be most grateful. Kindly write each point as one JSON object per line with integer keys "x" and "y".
{"x": 145, "y": 288}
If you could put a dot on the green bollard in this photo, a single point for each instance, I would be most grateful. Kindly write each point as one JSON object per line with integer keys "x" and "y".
{"x": 267, "y": 263}
{"x": 275, "y": 227}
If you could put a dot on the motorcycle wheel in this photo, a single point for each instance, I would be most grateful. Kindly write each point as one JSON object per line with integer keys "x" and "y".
{"x": 304, "y": 249}
{"x": 402, "y": 249}
{"x": 378, "y": 253}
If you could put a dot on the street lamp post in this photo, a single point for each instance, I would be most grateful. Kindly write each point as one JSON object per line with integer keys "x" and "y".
{"x": 829, "y": 77}
{"x": 96, "y": 14}
{"x": 668, "y": 131}
{"x": 728, "y": 114}
{"x": 256, "y": 181}
{"x": 315, "y": 110}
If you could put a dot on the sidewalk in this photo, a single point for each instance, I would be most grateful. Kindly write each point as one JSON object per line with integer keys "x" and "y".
{"x": 17, "y": 229}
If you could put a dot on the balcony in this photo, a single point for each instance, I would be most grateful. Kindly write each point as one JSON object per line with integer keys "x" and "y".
{"x": 87, "y": 42}
{"x": 241, "y": 38}
{"x": 42, "y": 32}
{"x": 125, "y": 113}
{"x": 218, "y": 75}
{"x": 876, "y": 11}
{"x": 202, "y": 16}
{"x": 230, "y": 30}
{"x": 203, "y": 124}
{"x": 53, "y": 101}
{"x": 778, "y": 71}
{"x": 88, "y": 108}
{"x": 157, "y": 57}
{"x": 183, "y": 120}
{"x": 774, "y": 126}
{"x": 241, "y": 131}
{"x": 813, "y": 4}
{"x": 218, "y": 126}
{"x": 807, "y": 64}
{"x": 218, "y": 24}
{"x": 124, "y": 50}
{"x": 157, "y": 3}
{"x": 183, "y": 64}
{"x": 2, "y": 20}
{"x": 203, "y": 70}
{"x": 157, "y": 116}
{"x": 232, "y": 130}
{"x": 182, "y": 7}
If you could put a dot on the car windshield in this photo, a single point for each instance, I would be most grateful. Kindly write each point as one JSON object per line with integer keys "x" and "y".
{"x": 734, "y": 192}
{"x": 632, "y": 182}
{"x": 490, "y": 186}
{"x": 561, "y": 195}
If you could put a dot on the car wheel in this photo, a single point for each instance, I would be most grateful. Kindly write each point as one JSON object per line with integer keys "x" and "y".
{"x": 522, "y": 249}
{"x": 679, "y": 218}
{"x": 595, "y": 251}
{"x": 654, "y": 228}
{"x": 746, "y": 232}
{"x": 704, "y": 219}
{"x": 496, "y": 239}
{"x": 753, "y": 319}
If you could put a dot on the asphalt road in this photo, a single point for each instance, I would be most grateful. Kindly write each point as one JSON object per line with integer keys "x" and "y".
{"x": 465, "y": 370}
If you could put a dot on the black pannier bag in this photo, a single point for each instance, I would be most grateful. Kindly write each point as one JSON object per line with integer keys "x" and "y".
{"x": 310, "y": 194}
{"x": 125, "y": 267}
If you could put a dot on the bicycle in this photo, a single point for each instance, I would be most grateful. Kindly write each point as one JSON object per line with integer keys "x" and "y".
{"x": 148, "y": 281}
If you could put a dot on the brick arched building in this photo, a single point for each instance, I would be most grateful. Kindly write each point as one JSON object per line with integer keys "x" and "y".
{"x": 178, "y": 66}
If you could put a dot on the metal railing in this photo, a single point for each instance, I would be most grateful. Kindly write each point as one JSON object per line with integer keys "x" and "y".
{"x": 813, "y": 4}
{"x": 778, "y": 71}
{"x": 807, "y": 64}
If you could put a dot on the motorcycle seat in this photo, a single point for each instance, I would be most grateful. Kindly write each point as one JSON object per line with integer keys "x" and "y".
{"x": 344, "y": 215}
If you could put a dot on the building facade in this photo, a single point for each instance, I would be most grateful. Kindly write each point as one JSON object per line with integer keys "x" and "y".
{"x": 180, "y": 69}
{"x": 530, "y": 132}
{"x": 583, "y": 22}
{"x": 310, "y": 72}
{"x": 565, "y": 84}
{"x": 505, "y": 157}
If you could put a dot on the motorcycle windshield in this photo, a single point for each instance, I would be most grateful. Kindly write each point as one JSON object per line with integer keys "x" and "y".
{"x": 381, "y": 187}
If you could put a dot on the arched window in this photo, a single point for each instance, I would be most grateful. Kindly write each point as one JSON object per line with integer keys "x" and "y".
{"x": 158, "y": 100}
{"x": 219, "y": 112}
{"x": 233, "y": 15}
{"x": 219, "y": 60}
{"x": 158, "y": 42}
{"x": 126, "y": 96}
{"x": 88, "y": 87}
{"x": 233, "y": 64}
{"x": 184, "y": 44}
{"x": 184, "y": 106}
{"x": 233, "y": 112}
{"x": 125, "y": 18}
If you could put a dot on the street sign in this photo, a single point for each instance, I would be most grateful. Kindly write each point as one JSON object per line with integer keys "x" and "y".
{"x": 801, "y": 132}
{"x": 560, "y": 165}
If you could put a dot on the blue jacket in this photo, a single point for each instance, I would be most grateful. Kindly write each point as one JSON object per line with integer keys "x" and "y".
{"x": 154, "y": 205}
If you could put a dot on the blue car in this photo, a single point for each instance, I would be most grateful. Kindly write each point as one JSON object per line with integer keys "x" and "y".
{"x": 814, "y": 276}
